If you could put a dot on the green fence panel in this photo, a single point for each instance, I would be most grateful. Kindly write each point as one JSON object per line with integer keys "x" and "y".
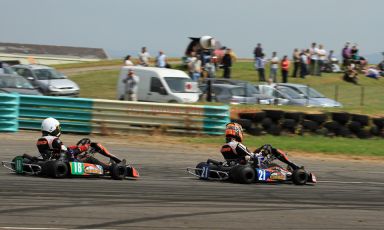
{"x": 215, "y": 119}
{"x": 9, "y": 112}
{"x": 74, "y": 114}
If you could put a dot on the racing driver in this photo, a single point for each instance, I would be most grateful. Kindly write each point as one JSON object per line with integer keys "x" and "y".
{"x": 50, "y": 146}
{"x": 234, "y": 151}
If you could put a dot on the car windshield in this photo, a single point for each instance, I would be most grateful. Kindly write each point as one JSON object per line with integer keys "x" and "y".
{"x": 310, "y": 92}
{"x": 47, "y": 74}
{"x": 177, "y": 84}
{"x": 14, "y": 82}
{"x": 238, "y": 91}
{"x": 290, "y": 92}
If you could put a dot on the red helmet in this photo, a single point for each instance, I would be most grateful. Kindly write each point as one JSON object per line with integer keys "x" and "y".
{"x": 234, "y": 130}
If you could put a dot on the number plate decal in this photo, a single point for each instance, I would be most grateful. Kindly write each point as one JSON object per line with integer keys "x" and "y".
{"x": 19, "y": 165}
{"x": 77, "y": 168}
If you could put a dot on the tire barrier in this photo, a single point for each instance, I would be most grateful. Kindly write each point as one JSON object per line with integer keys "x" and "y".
{"x": 9, "y": 112}
{"x": 277, "y": 122}
{"x": 82, "y": 115}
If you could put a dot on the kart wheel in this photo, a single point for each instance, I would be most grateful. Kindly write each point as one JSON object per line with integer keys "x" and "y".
{"x": 299, "y": 177}
{"x": 243, "y": 174}
{"x": 200, "y": 166}
{"x": 57, "y": 169}
{"x": 118, "y": 172}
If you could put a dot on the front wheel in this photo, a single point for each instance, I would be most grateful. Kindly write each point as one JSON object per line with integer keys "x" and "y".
{"x": 299, "y": 177}
{"x": 118, "y": 172}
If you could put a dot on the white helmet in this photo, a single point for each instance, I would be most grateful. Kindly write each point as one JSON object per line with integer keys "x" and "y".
{"x": 50, "y": 126}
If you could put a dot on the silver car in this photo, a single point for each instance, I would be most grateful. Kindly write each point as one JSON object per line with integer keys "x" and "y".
{"x": 317, "y": 98}
{"x": 13, "y": 83}
{"x": 235, "y": 94}
{"x": 48, "y": 80}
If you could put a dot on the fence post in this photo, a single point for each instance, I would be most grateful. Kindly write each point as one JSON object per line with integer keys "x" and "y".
{"x": 336, "y": 92}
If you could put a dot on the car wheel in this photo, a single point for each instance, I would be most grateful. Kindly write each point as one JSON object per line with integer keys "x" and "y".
{"x": 118, "y": 172}
{"x": 57, "y": 169}
{"x": 299, "y": 177}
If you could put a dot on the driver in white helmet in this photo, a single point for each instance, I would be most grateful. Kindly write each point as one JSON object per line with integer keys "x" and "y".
{"x": 234, "y": 151}
{"x": 50, "y": 146}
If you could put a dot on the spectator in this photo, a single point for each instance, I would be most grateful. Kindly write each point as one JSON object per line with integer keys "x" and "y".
{"x": 258, "y": 51}
{"x": 304, "y": 59}
{"x": 194, "y": 67}
{"x": 161, "y": 60}
{"x": 322, "y": 55}
{"x": 284, "y": 68}
{"x": 296, "y": 62}
{"x": 210, "y": 68}
{"x": 372, "y": 72}
{"x": 260, "y": 67}
{"x": 144, "y": 57}
{"x": 380, "y": 67}
{"x": 274, "y": 65}
{"x": 127, "y": 61}
{"x": 313, "y": 65}
{"x": 131, "y": 85}
{"x": 346, "y": 54}
{"x": 233, "y": 55}
{"x": 351, "y": 75}
{"x": 226, "y": 63}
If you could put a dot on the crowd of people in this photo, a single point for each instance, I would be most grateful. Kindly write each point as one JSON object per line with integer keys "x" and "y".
{"x": 204, "y": 63}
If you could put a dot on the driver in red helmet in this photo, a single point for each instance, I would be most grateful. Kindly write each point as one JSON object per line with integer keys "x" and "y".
{"x": 234, "y": 151}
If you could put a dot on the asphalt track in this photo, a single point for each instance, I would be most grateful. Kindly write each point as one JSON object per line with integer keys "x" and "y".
{"x": 349, "y": 194}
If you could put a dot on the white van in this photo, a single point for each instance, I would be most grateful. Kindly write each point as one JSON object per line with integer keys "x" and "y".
{"x": 160, "y": 85}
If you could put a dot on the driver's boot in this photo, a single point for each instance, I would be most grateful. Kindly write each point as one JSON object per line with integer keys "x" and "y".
{"x": 283, "y": 158}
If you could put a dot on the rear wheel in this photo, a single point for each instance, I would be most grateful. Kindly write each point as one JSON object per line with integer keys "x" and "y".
{"x": 243, "y": 174}
{"x": 299, "y": 177}
{"x": 57, "y": 169}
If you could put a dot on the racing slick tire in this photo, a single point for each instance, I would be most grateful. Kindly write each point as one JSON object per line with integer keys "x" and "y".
{"x": 299, "y": 177}
{"x": 56, "y": 169}
{"x": 118, "y": 172}
{"x": 243, "y": 174}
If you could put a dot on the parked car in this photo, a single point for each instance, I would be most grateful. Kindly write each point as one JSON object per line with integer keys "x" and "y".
{"x": 48, "y": 80}
{"x": 286, "y": 96}
{"x": 312, "y": 94}
{"x": 13, "y": 83}
{"x": 234, "y": 94}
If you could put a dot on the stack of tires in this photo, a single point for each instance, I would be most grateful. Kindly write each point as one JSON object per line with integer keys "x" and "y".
{"x": 378, "y": 126}
{"x": 291, "y": 122}
{"x": 313, "y": 123}
{"x": 338, "y": 125}
{"x": 272, "y": 121}
{"x": 251, "y": 122}
{"x": 358, "y": 126}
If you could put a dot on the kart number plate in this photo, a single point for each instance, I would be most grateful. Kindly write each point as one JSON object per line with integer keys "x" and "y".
{"x": 85, "y": 169}
{"x": 204, "y": 172}
{"x": 263, "y": 175}
{"x": 19, "y": 165}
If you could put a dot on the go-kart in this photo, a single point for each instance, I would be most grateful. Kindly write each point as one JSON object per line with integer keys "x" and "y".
{"x": 250, "y": 172}
{"x": 68, "y": 167}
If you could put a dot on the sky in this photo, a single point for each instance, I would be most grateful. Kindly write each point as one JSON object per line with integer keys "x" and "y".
{"x": 122, "y": 27}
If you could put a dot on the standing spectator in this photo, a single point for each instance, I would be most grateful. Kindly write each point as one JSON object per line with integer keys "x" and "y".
{"x": 161, "y": 60}
{"x": 304, "y": 59}
{"x": 131, "y": 85}
{"x": 284, "y": 68}
{"x": 210, "y": 68}
{"x": 127, "y": 61}
{"x": 226, "y": 63}
{"x": 274, "y": 65}
{"x": 194, "y": 67}
{"x": 260, "y": 67}
{"x": 144, "y": 57}
{"x": 258, "y": 51}
{"x": 296, "y": 62}
{"x": 233, "y": 55}
{"x": 322, "y": 54}
{"x": 313, "y": 66}
{"x": 346, "y": 54}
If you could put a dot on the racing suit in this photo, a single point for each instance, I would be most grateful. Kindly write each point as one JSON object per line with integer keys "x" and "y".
{"x": 53, "y": 147}
{"x": 235, "y": 151}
